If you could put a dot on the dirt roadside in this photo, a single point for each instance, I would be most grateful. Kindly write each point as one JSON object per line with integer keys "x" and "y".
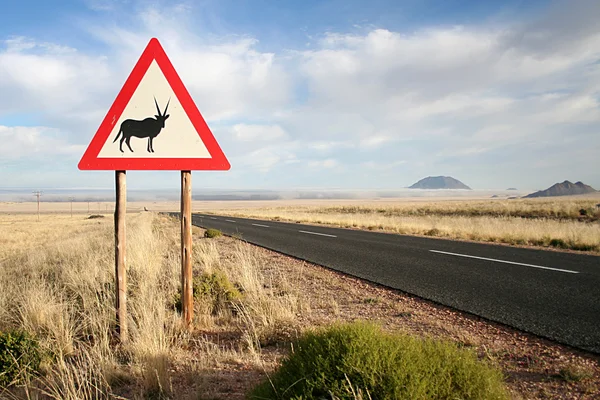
{"x": 534, "y": 368}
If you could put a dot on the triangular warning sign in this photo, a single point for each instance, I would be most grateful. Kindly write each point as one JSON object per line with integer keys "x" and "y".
{"x": 153, "y": 124}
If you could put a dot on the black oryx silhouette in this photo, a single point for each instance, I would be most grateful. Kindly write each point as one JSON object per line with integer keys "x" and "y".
{"x": 148, "y": 128}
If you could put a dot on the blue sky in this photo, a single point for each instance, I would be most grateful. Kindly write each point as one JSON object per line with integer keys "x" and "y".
{"x": 319, "y": 94}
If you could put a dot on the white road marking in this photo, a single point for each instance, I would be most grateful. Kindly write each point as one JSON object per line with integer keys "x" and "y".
{"x": 262, "y": 226}
{"x": 212, "y": 218}
{"x": 316, "y": 233}
{"x": 505, "y": 262}
{"x": 230, "y": 220}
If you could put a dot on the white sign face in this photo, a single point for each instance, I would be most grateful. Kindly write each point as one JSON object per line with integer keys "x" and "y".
{"x": 143, "y": 131}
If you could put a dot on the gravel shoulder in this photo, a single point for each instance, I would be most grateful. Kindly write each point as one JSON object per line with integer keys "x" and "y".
{"x": 534, "y": 368}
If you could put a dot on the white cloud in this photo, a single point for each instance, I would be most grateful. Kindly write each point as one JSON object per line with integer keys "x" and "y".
{"x": 227, "y": 76}
{"x": 327, "y": 163}
{"x": 440, "y": 99}
{"x": 264, "y": 159}
{"x": 328, "y": 146}
{"x": 379, "y": 166}
{"x": 51, "y": 79}
{"x": 25, "y": 142}
{"x": 453, "y": 97}
{"x": 246, "y": 132}
{"x": 375, "y": 141}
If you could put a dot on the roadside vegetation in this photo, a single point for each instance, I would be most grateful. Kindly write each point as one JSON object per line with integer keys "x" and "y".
{"x": 59, "y": 290}
{"x": 212, "y": 233}
{"x": 361, "y": 361}
{"x": 253, "y": 309}
{"x": 562, "y": 223}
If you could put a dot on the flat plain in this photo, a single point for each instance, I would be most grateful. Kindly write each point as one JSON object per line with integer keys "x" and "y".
{"x": 57, "y": 276}
{"x": 559, "y": 223}
{"x": 568, "y": 223}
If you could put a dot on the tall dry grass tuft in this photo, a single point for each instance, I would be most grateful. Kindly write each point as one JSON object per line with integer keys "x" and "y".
{"x": 155, "y": 327}
{"x": 43, "y": 312}
{"x": 62, "y": 291}
{"x": 266, "y": 297}
{"x": 268, "y": 306}
{"x": 206, "y": 256}
{"x": 76, "y": 378}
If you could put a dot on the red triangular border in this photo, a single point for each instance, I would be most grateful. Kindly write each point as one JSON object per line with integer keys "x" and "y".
{"x": 153, "y": 51}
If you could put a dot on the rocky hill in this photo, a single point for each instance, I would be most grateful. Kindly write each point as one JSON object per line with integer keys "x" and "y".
{"x": 439, "y": 182}
{"x": 565, "y": 188}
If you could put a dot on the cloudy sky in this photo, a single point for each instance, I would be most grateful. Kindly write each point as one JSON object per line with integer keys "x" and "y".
{"x": 316, "y": 94}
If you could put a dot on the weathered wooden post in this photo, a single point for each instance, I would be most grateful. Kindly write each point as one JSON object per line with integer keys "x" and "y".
{"x": 120, "y": 255}
{"x": 187, "y": 291}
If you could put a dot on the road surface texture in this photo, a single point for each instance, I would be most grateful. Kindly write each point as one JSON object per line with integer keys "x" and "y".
{"x": 551, "y": 294}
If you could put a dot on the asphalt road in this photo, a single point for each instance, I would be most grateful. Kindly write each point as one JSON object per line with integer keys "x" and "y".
{"x": 552, "y": 294}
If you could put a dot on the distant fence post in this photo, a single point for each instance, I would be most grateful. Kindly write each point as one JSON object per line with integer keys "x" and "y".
{"x": 187, "y": 295}
{"x": 120, "y": 250}
{"x": 38, "y": 194}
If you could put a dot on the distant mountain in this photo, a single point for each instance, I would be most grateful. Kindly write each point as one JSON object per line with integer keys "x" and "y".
{"x": 511, "y": 189}
{"x": 439, "y": 182}
{"x": 563, "y": 189}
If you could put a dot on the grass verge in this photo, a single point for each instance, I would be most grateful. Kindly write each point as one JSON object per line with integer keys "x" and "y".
{"x": 555, "y": 224}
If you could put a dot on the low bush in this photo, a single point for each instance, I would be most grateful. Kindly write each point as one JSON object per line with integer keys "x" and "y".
{"x": 212, "y": 233}
{"x": 20, "y": 356}
{"x": 339, "y": 362}
{"x": 215, "y": 289}
{"x": 561, "y": 244}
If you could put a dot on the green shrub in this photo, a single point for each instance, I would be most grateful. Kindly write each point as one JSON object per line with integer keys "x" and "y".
{"x": 346, "y": 359}
{"x": 215, "y": 289}
{"x": 20, "y": 356}
{"x": 561, "y": 244}
{"x": 212, "y": 233}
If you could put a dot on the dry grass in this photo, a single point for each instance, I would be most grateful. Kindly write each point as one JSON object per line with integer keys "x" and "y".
{"x": 60, "y": 287}
{"x": 561, "y": 208}
{"x": 22, "y": 231}
{"x": 546, "y": 223}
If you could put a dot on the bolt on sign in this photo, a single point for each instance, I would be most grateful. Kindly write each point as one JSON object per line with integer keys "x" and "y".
{"x": 153, "y": 124}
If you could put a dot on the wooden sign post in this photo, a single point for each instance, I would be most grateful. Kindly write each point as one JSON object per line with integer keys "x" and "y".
{"x": 187, "y": 290}
{"x": 120, "y": 252}
{"x": 153, "y": 110}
